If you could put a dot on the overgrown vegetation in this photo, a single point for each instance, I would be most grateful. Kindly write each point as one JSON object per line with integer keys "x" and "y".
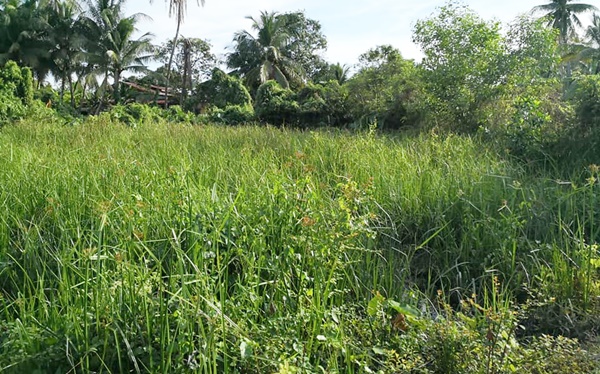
{"x": 166, "y": 247}
{"x": 198, "y": 238}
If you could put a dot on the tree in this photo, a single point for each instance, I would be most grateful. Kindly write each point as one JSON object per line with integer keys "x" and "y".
{"x": 260, "y": 58}
{"x": 383, "y": 89}
{"x": 332, "y": 72}
{"x": 222, "y": 90}
{"x": 23, "y": 29}
{"x": 591, "y": 52}
{"x": 110, "y": 45}
{"x": 177, "y": 8}
{"x": 463, "y": 54}
{"x": 306, "y": 43}
{"x": 285, "y": 48}
{"x": 469, "y": 65}
{"x": 563, "y": 16}
{"x": 193, "y": 62}
{"x": 16, "y": 91}
{"x": 66, "y": 44}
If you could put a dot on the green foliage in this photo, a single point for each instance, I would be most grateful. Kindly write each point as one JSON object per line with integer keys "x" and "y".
{"x": 548, "y": 354}
{"x": 323, "y": 105}
{"x": 46, "y": 94}
{"x": 586, "y": 100}
{"x": 314, "y": 105}
{"x": 563, "y": 16}
{"x": 25, "y": 86}
{"x": 533, "y": 127}
{"x": 307, "y": 42}
{"x": 135, "y": 114}
{"x": 192, "y": 60}
{"x": 16, "y": 91}
{"x": 384, "y": 89}
{"x": 222, "y": 90}
{"x": 275, "y": 105}
{"x": 253, "y": 249}
{"x": 285, "y": 48}
{"x": 461, "y": 65}
{"x": 176, "y": 113}
{"x": 472, "y": 73}
{"x": 232, "y": 115}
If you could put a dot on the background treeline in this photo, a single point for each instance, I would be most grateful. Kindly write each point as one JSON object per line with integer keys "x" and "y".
{"x": 528, "y": 80}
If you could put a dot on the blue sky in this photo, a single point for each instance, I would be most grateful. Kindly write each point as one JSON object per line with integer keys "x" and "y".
{"x": 351, "y": 26}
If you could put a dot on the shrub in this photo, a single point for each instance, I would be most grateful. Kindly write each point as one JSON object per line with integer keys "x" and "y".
{"x": 221, "y": 90}
{"x": 16, "y": 91}
{"x": 143, "y": 113}
{"x": 276, "y": 105}
{"x": 176, "y": 114}
{"x": 586, "y": 99}
{"x": 322, "y": 105}
{"x": 384, "y": 89}
{"x": 120, "y": 113}
{"x": 231, "y": 115}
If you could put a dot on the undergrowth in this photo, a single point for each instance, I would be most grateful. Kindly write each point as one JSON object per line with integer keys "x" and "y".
{"x": 173, "y": 248}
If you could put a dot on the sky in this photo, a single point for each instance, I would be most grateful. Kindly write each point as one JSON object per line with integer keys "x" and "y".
{"x": 350, "y": 26}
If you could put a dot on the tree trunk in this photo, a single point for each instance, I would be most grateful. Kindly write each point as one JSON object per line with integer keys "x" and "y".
{"x": 187, "y": 46}
{"x": 104, "y": 84}
{"x": 62, "y": 87}
{"x": 71, "y": 90}
{"x": 116, "y": 88}
{"x": 171, "y": 62}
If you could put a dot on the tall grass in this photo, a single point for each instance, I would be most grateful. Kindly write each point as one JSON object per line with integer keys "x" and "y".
{"x": 170, "y": 248}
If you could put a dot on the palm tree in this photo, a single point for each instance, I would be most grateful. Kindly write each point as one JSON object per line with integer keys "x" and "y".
{"x": 23, "y": 36}
{"x": 66, "y": 43}
{"x": 261, "y": 58}
{"x": 591, "y": 53}
{"x": 177, "y": 8}
{"x": 563, "y": 16}
{"x": 110, "y": 45}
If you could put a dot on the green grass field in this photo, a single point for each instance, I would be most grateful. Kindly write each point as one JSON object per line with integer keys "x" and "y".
{"x": 169, "y": 248}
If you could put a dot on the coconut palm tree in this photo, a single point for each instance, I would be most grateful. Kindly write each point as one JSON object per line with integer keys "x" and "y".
{"x": 110, "y": 45}
{"x": 23, "y": 36}
{"x": 260, "y": 58}
{"x": 66, "y": 43}
{"x": 563, "y": 16}
{"x": 591, "y": 53}
{"x": 176, "y": 8}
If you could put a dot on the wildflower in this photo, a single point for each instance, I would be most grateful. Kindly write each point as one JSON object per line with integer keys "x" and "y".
{"x": 307, "y": 221}
{"x": 138, "y": 235}
{"x": 591, "y": 181}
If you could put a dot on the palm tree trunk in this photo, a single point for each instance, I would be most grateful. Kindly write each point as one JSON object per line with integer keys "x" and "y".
{"x": 62, "y": 87}
{"x": 171, "y": 62}
{"x": 104, "y": 84}
{"x": 116, "y": 88}
{"x": 71, "y": 90}
{"x": 186, "y": 70}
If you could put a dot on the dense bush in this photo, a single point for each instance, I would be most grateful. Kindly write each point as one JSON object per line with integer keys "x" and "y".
{"x": 276, "y": 105}
{"x": 313, "y": 105}
{"x": 470, "y": 65}
{"x": 232, "y": 114}
{"x": 587, "y": 101}
{"x": 134, "y": 114}
{"x": 221, "y": 90}
{"x": 176, "y": 113}
{"x": 384, "y": 90}
{"x": 323, "y": 105}
{"x": 16, "y": 91}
